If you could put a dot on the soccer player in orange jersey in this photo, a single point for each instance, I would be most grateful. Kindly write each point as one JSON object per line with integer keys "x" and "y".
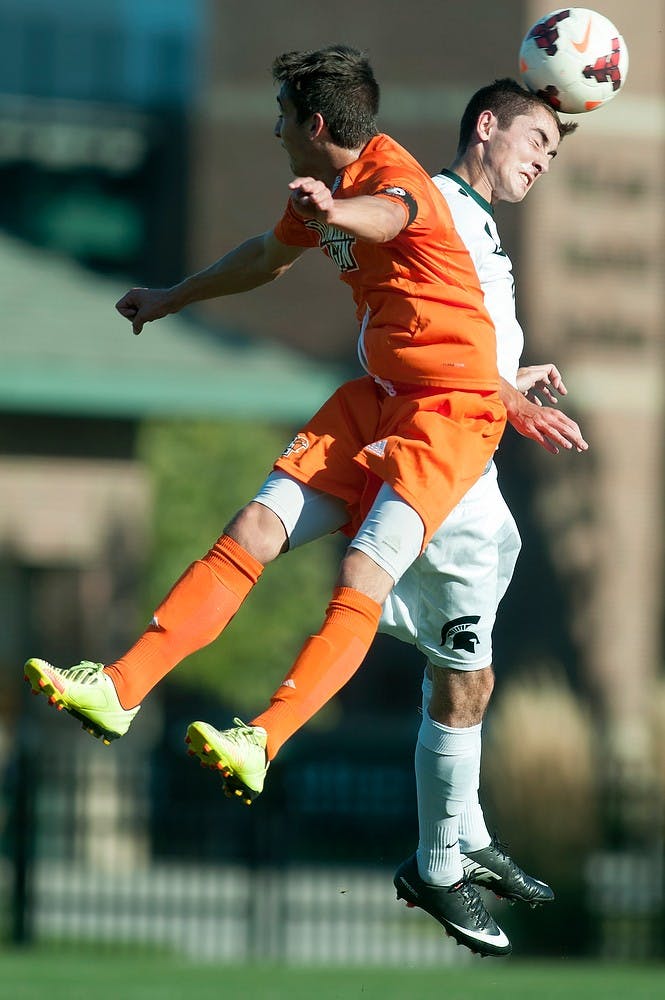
{"x": 421, "y": 426}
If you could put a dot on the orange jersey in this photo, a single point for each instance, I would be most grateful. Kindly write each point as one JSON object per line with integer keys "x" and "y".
{"x": 417, "y": 296}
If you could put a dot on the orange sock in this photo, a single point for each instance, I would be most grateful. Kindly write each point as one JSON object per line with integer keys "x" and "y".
{"x": 323, "y": 666}
{"x": 196, "y": 609}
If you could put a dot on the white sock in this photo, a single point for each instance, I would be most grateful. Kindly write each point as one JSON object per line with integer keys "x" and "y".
{"x": 472, "y": 830}
{"x": 473, "y": 833}
{"x": 447, "y": 769}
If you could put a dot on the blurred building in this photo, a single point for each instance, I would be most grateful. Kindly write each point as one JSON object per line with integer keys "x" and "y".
{"x": 593, "y": 289}
{"x": 93, "y": 143}
{"x": 594, "y": 296}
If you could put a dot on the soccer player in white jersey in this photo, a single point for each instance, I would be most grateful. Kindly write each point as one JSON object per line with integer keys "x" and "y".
{"x": 446, "y": 602}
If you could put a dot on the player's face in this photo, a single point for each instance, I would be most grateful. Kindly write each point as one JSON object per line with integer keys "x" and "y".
{"x": 517, "y": 156}
{"x": 296, "y": 138}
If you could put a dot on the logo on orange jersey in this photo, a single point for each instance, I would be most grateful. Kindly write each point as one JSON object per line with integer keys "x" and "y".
{"x": 337, "y": 244}
{"x": 377, "y": 447}
{"x": 297, "y": 446}
{"x": 460, "y": 634}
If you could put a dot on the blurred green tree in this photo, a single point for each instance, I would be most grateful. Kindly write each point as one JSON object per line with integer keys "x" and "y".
{"x": 202, "y": 473}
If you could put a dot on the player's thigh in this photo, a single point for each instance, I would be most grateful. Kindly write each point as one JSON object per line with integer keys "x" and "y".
{"x": 324, "y": 453}
{"x": 305, "y": 513}
{"x": 391, "y": 534}
{"x": 446, "y": 604}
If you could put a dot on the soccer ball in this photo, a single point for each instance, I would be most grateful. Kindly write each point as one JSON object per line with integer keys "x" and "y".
{"x": 575, "y": 58}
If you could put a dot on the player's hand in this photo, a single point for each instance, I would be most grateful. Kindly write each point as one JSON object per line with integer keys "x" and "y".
{"x": 310, "y": 198}
{"x": 142, "y": 305}
{"x": 549, "y": 427}
{"x": 541, "y": 380}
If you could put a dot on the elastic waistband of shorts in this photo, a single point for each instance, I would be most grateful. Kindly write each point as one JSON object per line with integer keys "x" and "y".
{"x": 412, "y": 388}
{"x": 408, "y": 388}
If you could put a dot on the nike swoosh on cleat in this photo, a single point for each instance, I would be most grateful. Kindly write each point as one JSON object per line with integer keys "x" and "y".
{"x": 584, "y": 44}
{"x": 499, "y": 939}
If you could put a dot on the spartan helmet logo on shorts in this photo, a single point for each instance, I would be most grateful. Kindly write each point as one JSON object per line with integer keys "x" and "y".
{"x": 459, "y": 633}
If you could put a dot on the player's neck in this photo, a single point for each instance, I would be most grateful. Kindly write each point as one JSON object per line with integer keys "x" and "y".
{"x": 471, "y": 171}
{"x": 336, "y": 161}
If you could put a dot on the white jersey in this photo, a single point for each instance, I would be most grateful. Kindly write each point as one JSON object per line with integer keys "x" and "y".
{"x": 474, "y": 221}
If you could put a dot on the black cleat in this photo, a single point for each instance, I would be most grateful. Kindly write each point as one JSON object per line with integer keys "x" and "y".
{"x": 458, "y": 908}
{"x": 493, "y": 869}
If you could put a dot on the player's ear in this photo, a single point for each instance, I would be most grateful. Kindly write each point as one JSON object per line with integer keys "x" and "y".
{"x": 485, "y": 124}
{"x": 316, "y": 125}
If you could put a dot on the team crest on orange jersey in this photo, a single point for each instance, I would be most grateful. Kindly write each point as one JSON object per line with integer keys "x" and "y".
{"x": 337, "y": 244}
{"x": 297, "y": 446}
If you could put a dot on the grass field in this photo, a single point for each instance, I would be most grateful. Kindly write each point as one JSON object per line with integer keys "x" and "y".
{"x": 36, "y": 975}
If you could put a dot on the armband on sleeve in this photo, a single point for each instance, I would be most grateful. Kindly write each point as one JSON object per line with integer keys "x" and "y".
{"x": 407, "y": 199}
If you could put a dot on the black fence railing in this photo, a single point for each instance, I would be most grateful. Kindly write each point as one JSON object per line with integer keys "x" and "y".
{"x": 108, "y": 846}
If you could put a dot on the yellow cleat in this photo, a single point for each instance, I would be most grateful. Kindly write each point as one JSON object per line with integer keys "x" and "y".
{"x": 86, "y": 692}
{"x": 239, "y": 754}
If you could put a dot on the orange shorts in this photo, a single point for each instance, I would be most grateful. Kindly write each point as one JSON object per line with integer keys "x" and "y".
{"x": 429, "y": 443}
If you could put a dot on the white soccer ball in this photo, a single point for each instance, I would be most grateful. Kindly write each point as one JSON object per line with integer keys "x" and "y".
{"x": 575, "y": 58}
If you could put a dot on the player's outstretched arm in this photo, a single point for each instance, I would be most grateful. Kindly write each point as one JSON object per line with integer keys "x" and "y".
{"x": 255, "y": 262}
{"x": 550, "y": 427}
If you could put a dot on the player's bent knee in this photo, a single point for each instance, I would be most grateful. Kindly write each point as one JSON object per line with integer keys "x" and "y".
{"x": 306, "y": 513}
{"x": 362, "y": 573}
{"x": 259, "y": 531}
{"x": 458, "y": 698}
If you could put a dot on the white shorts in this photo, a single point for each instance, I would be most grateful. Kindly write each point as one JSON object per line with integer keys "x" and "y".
{"x": 446, "y": 602}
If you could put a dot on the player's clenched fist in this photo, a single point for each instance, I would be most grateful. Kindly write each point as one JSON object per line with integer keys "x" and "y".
{"x": 311, "y": 198}
{"x": 141, "y": 305}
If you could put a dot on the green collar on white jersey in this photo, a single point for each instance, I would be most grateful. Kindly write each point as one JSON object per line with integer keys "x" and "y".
{"x": 468, "y": 190}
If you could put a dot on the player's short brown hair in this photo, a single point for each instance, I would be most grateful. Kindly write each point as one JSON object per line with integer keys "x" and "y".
{"x": 507, "y": 100}
{"x": 338, "y": 83}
